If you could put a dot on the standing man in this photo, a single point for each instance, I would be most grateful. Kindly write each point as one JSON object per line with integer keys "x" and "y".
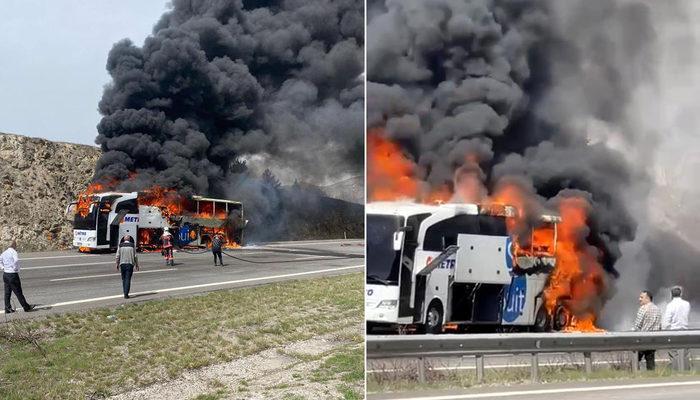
{"x": 9, "y": 261}
{"x": 648, "y": 319}
{"x": 216, "y": 243}
{"x": 167, "y": 240}
{"x": 676, "y": 318}
{"x": 127, "y": 262}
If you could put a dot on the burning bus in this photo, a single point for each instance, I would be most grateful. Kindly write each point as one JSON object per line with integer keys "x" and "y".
{"x": 101, "y": 219}
{"x": 433, "y": 266}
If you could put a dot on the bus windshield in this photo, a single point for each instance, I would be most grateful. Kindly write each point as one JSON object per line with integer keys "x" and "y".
{"x": 87, "y": 222}
{"x": 383, "y": 261}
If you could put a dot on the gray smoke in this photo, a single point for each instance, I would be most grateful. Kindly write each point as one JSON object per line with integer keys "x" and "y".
{"x": 220, "y": 81}
{"x": 557, "y": 95}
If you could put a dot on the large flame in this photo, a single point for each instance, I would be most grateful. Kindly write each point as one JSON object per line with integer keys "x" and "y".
{"x": 578, "y": 278}
{"x": 390, "y": 175}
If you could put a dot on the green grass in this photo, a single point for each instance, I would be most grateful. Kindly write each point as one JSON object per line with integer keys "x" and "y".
{"x": 90, "y": 355}
{"x": 407, "y": 380}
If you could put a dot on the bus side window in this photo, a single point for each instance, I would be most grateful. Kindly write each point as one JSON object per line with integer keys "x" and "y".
{"x": 492, "y": 225}
{"x": 128, "y": 205}
{"x": 444, "y": 233}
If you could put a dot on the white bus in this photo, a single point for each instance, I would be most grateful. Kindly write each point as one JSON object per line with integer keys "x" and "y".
{"x": 104, "y": 218}
{"x": 453, "y": 264}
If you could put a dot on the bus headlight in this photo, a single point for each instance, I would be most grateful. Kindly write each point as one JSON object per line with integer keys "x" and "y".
{"x": 387, "y": 304}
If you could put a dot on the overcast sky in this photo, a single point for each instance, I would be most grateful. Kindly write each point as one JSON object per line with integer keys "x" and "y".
{"x": 52, "y": 61}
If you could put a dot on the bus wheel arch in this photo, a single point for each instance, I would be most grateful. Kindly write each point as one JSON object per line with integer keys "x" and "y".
{"x": 434, "y": 317}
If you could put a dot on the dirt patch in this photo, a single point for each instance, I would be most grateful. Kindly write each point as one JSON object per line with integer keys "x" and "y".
{"x": 271, "y": 374}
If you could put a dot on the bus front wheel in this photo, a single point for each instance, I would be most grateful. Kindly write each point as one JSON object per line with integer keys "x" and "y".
{"x": 433, "y": 319}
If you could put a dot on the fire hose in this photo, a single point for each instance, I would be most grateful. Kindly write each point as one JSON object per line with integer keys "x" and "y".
{"x": 238, "y": 258}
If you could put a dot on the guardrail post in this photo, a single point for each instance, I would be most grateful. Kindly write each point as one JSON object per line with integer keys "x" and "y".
{"x": 681, "y": 360}
{"x": 588, "y": 362}
{"x": 534, "y": 368}
{"x": 635, "y": 362}
{"x": 421, "y": 369}
{"x": 480, "y": 368}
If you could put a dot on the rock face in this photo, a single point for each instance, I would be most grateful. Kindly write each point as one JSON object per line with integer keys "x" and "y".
{"x": 38, "y": 179}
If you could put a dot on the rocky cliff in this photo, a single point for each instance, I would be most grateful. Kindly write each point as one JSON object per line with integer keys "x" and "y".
{"x": 38, "y": 179}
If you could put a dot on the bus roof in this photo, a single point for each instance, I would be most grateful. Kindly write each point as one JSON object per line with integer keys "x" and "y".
{"x": 407, "y": 208}
{"x": 200, "y": 198}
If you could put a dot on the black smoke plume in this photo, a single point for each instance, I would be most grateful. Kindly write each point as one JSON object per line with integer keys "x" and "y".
{"x": 221, "y": 81}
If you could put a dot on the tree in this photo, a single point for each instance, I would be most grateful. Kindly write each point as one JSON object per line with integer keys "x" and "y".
{"x": 270, "y": 180}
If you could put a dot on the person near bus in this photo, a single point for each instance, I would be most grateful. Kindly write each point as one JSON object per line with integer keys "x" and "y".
{"x": 676, "y": 317}
{"x": 648, "y": 319}
{"x": 167, "y": 241}
{"x": 9, "y": 261}
{"x": 217, "y": 242}
{"x": 127, "y": 262}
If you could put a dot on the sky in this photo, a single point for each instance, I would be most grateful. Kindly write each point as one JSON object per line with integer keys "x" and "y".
{"x": 52, "y": 61}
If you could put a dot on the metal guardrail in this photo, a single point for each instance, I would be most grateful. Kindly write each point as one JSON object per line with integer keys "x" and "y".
{"x": 480, "y": 345}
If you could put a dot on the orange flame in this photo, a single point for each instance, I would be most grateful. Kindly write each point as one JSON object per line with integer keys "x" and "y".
{"x": 390, "y": 175}
{"x": 85, "y": 198}
{"x": 169, "y": 201}
{"x": 578, "y": 277}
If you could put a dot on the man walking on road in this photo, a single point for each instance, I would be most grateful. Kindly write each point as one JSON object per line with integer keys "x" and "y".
{"x": 9, "y": 260}
{"x": 216, "y": 243}
{"x": 648, "y": 319}
{"x": 127, "y": 262}
{"x": 676, "y": 318}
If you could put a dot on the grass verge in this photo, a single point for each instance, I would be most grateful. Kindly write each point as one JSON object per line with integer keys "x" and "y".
{"x": 95, "y": 353}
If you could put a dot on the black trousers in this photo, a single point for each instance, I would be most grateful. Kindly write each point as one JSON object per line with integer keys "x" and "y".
{"x": 13, "y": 284}
{"x": 217, "y": 253}
{"x": 127, "y": 271}
{"x": 648, "y": 355}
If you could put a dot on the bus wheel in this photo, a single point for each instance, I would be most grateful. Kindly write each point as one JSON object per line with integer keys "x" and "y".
{"x": 561, "y": 318}
{"x": 433, "y": 320}
{"x": 541, "y": 320}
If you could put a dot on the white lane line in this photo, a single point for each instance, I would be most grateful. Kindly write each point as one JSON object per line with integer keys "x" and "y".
{"x": 175, "y": 289}
{"x": 112, "y": 262}
{"x": 65, "y": 265}
{"x": 66, "y": 256}
{"x": 116, "y": 274}
{"x": 551, "y": 391}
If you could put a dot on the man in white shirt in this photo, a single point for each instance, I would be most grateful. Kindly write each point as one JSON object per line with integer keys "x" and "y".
{"x": 9, "y": 261}
{"x": 676, "y": 318}
{"x": 677, "y": 312}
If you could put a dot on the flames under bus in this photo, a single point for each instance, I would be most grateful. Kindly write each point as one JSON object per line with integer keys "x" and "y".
{"x": 432, "y": 267}
{"x": 103, "y": 219}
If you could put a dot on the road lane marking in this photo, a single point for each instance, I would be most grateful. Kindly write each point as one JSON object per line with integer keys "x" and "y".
{"x": 181, "y": 257}
{"x": 204, "y": 285}
{"x": 66, "y": 256}
{"x": 65, "y": 265}
{"x": 73, "y": 278}
{"x": 551, "y": 391}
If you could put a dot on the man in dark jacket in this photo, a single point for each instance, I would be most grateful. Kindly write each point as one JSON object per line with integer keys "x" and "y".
{"x": 127, "y": 262}
{"x": 217, "y": 243}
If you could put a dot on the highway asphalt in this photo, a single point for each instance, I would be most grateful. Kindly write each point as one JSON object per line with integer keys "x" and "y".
{"x": 61, "y": 281}
{"x": 639, "y": 389}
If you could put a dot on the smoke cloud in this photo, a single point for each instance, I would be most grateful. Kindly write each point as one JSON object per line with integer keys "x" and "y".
{"x": 560, "y": 96}
{"x": 221, "y": 81}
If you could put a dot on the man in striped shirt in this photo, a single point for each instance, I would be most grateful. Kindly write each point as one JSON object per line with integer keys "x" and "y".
{"x": 648, "y": 319}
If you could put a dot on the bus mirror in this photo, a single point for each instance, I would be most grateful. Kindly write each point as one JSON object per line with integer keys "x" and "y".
{"x": 398, "y": 240}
